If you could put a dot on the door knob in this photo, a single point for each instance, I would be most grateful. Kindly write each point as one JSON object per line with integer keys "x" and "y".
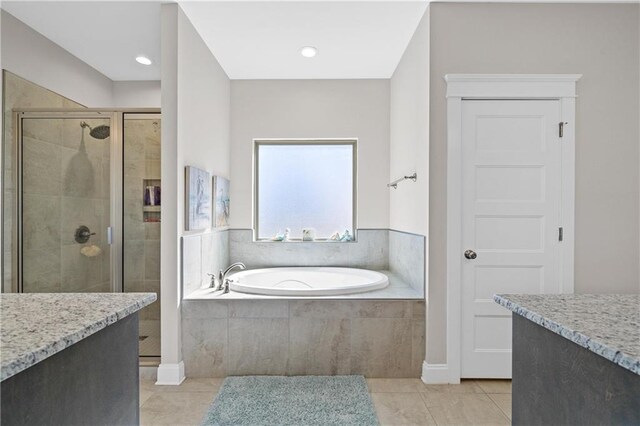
{"x": 470, "y": 254}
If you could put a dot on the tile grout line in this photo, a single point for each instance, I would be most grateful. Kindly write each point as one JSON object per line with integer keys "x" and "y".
{"x": 424, "y": 403}
{"x": 499, "y": 408}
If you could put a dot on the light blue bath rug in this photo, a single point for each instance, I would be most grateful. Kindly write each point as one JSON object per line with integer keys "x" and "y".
{"x": 292, "y": 401}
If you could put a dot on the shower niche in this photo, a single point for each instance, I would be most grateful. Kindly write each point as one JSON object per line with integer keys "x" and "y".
{"x": 151, "y": 196}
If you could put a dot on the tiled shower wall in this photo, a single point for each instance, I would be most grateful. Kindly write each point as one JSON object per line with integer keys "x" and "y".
{"x": 299, "y": 337}
{"x": 66, "y": 184}
{"x": 19, "y": 93}
{"x": 141, "y": 239}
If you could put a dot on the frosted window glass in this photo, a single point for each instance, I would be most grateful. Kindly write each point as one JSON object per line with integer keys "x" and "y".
{"x": 305, "y": 186}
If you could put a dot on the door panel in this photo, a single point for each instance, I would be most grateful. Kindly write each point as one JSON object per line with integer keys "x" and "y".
{"x": 510, "y": 218}
{"x": 65, "y": 176}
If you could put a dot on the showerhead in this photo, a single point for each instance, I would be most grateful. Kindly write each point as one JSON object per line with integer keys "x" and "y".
{"x": 98, "y": 132}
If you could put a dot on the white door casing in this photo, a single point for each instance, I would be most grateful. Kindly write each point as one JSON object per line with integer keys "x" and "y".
{"x": 477, "y": 87}
{"x": 511, "y": 179}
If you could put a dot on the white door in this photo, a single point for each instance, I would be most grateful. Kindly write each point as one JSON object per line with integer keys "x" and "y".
{"x": 511, "y": 189}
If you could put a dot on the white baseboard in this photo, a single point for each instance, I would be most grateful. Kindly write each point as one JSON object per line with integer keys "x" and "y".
{"x": 170, "y": 374}
{"x": 435, "y": 373}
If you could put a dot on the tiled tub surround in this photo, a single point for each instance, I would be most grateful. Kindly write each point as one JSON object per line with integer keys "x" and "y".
{"x": 605, "y": 324}
{"x": 297, "y": 337}
{"x": 37, "y": 326}
{"x": 399, "y": 255}
{"x": 203, "y": 254}
{"x": 407, "y": 258}
{"x": 369, "y": 251}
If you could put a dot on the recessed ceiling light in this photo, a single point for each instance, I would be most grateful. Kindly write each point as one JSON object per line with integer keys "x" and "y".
{"x": 308, "y": 51}
{"x": 143, "y": 60}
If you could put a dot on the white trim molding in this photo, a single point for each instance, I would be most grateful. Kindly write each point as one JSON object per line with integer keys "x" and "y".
{"x": 170, "y": 374}
{"x": 526, "y": 86}
{"x": 561, "y": 87}
{"x": 435, "y": 374}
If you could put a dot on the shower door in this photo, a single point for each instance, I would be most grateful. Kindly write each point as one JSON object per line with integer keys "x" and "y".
{"x": 67, "y": 179}
{"x": 141, "y": 135}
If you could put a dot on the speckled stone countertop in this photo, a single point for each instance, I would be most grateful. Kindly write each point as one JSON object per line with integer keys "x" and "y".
{"x": 37, "y": 326}
{"x": 606, "y": 324}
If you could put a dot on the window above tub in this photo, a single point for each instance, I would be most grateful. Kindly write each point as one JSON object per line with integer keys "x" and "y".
{"x": 307, "y": 187}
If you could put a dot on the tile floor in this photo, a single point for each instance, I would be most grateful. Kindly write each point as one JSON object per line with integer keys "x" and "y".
{"x": 397, "y": 402}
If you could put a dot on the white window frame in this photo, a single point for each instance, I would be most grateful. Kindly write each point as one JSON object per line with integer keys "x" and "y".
{"x": 560, "y": 87}
{"x": 353, "y": 142}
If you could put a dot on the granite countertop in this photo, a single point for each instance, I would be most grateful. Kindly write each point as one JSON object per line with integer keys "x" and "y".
{"x": 38, "y": 325}
{"x": 606, "y": 324}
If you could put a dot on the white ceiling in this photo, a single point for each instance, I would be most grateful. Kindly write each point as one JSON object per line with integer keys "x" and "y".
{"x": 251, "y": 40}
{"x": 261, "y": 40}
{"x": 106, "y": 35}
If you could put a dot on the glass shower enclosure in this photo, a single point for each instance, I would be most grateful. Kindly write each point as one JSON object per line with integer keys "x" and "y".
{"x": 66, "y": 209}
{"x": 88, "y": 202}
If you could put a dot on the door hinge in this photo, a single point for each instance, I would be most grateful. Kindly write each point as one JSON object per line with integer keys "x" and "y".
{"x": 560, "y": 234}
{"x": 561, "y": 128}
{"x": 109, "y": 235}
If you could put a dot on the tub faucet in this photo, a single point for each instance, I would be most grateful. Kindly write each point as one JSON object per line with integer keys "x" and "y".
{"x": 223, "y": 281}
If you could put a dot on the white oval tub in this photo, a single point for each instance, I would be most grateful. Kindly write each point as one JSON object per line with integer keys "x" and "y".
{"x": 307, "y": 281}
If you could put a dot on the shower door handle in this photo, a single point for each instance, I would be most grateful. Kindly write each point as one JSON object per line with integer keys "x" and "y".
{"x": 109, "y": 235}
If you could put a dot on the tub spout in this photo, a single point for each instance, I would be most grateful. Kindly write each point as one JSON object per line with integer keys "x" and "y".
{"x": 232, "y": 267}
{"x": 224, "y": 281}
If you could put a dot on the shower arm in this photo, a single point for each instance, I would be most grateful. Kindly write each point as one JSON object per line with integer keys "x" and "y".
{"x": 394, "y": 184}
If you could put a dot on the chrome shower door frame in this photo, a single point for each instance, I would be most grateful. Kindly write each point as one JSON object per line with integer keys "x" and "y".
{"x": 115, "y": 187}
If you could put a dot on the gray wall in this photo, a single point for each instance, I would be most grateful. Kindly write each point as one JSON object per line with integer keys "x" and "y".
{"x": 602, "y": 43}
{"x": 409, "y": 142}
{"x": 34, "y": 57}
{"x": 313, "y": 109}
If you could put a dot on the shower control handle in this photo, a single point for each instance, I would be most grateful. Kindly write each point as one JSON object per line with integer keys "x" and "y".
{"x": 82, "y": 234}
{"x": 470, "y": 254}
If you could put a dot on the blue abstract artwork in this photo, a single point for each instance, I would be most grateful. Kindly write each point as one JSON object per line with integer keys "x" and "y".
{"x": 198, "y": 195}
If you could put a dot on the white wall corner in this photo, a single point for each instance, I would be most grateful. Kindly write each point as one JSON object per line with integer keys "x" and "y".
{"x": 433, "y": 374}
{"x": 170, "y": 374}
